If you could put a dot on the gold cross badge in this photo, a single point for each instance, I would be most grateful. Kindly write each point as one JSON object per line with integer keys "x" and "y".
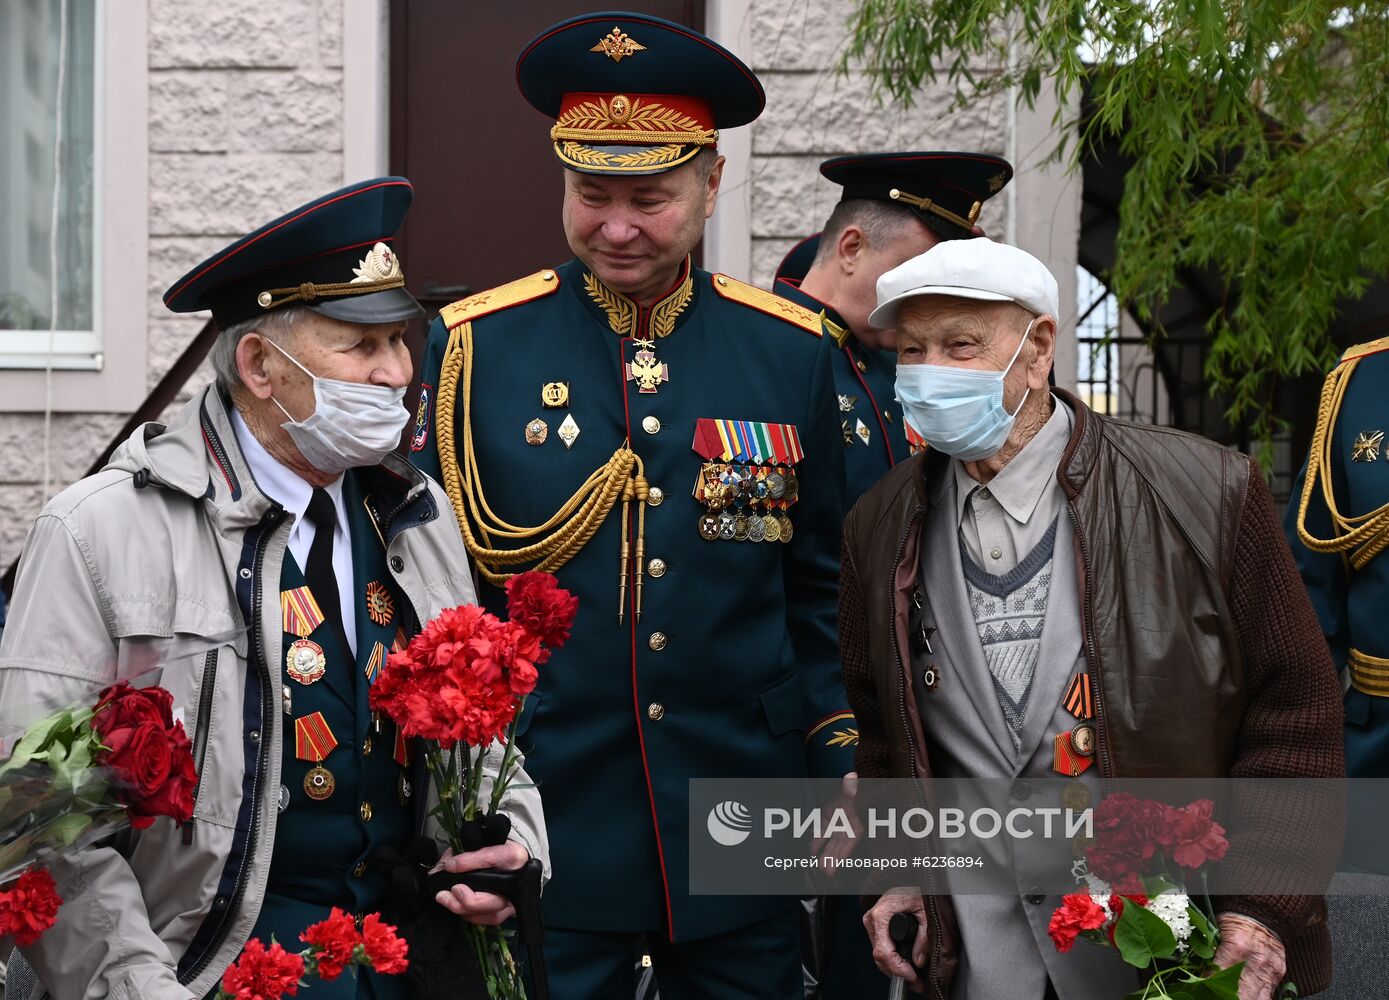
{"x": 1366, "y": 447}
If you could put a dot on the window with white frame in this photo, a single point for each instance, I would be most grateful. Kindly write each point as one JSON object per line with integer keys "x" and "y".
{"x": 49, "y": 184}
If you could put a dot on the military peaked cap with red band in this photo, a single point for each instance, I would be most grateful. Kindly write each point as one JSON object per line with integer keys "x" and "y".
{"x": 334, "y": 255}
{"x": 946, "y": 190}
{"x": 632, "y": 94}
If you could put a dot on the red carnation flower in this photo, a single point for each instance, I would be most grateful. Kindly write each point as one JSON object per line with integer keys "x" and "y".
{"x": 1078, "y": 912}
{"x": 1127, "y": 836}
{"x": 1116, "y": 908}
{"x": 386, "y": 951}
{"x": 29, "y": 906}
{"x": 1191, "y": 837}
{"x": 536, "y": 602}
{"x": 333, "y": 941}
{"x": 263, "y": 974}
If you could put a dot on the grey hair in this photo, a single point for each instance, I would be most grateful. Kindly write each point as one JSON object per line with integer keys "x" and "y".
{"x": 273, "y": 326}
{"x": 879, "y": 220}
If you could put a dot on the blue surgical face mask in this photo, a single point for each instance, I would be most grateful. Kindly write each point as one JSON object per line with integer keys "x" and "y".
{"x": 959, "y": 411}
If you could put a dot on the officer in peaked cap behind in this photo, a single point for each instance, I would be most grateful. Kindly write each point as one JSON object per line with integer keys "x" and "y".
{"x": 663, "y": 439}
{"x": 271, "y": 509}
{"x": 894, "y": 207}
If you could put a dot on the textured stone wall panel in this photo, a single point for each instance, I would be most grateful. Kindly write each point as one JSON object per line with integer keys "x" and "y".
{"x": 20, "y": 503}
{"x": 293, "y": 112}
{"x": 188, "y": 110}
{"x": 233, "y": 33}
{"x": 233, "y": 194}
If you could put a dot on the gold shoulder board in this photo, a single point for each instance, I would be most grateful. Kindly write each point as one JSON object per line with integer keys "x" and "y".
{"x": 764, "y": 301}
{"x": 513, "y": 293}
{"x": 1361, "y": 350}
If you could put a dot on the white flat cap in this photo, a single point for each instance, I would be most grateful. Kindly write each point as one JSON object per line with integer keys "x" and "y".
{"x": 968, "y": 269}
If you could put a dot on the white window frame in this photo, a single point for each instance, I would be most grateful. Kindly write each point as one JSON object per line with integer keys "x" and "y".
{"x": 103, "y": 369}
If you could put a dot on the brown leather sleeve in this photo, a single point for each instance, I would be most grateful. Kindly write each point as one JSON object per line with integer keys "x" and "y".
{"x": 871, "y": 758}
{"x": 1292, "y": 727}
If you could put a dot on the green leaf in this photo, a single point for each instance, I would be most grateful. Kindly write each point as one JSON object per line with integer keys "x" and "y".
{"x": 1205, "y": 937}
{"x": 1142, "y": 937}
{"x": 65, "y": 831}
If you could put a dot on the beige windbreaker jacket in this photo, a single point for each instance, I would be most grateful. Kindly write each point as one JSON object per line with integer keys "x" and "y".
{"x": 173, "y": 539}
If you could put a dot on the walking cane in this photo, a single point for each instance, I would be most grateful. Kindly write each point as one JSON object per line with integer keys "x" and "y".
{"x": 902, "y": 930}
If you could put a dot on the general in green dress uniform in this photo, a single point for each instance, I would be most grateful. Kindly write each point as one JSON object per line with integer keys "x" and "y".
{"x": 894, "y": 207}
{"x": 1338, "y": 527}
{"x": 663, "y": 439}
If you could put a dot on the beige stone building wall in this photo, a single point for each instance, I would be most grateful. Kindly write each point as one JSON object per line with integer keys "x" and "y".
{"x": 246, "y": 109}
{"x": 245, "y": 115}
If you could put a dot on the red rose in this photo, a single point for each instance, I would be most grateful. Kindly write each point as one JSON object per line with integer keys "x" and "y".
{"x": 384, "y": 949}
{"x": 536, "y": 602}
{"x": 29, "y": 906}
{"x": 333, "y": 941}
{"x": 148, "y": 751}
{"x": 1077, "y": 912}
{"x": 1191, "y": 837}
{"x": 263, "y": 974}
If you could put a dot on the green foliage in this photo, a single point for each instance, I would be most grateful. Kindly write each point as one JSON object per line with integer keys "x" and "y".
{"x": 1259, "y": 129}
{"x": 1142, "y": 937}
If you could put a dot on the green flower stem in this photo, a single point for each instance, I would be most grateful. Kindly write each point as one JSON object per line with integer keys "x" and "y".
{"x": 499, "y": 787}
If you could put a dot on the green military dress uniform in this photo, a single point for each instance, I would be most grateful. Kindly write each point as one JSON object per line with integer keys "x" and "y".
{"x": 876, "y": 437}
{"x": 1338, "y": 525}
{"x": 720, "y": 659}
{"x": 323, "y": 845}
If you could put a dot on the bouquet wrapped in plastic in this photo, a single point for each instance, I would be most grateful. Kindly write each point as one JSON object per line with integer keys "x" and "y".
{"x": 119, "y": 758}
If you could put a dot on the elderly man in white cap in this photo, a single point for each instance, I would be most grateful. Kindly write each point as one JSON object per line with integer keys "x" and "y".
{"x": 1067, "y": 590}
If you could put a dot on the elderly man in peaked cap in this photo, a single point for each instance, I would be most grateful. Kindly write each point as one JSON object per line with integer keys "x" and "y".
{"x": 272, "y": 503}
{"x": 1030, "y": 507}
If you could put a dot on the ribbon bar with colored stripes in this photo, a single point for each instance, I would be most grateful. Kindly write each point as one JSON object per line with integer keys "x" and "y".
{"x": 747, "y": 441}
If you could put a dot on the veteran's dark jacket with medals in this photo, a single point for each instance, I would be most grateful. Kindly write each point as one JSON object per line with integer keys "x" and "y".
{"x": 1202, "y": 650}
{"x": 1339, "y": 556}
{"x": 723, "y": 662}
{"x": 875, "y": 435}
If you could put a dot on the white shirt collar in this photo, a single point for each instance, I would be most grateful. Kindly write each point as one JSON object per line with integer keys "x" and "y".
{"x": 279, "y": 482}
{"x": 1019, "y": 485}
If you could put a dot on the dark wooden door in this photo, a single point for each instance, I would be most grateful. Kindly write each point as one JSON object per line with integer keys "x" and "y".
{"x": 487, "y": 185}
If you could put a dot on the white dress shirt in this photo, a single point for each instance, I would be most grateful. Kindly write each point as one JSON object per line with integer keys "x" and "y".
{"x": 1001, "y": 523}
{"x": 292, "y": 492}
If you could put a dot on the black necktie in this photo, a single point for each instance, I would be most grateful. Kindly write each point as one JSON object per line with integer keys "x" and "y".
{"x": 318, "y": 569}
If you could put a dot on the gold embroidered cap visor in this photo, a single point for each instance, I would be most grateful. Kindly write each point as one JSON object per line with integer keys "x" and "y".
{"x": 632, "y": 94}
{"x": 334, "y": 255}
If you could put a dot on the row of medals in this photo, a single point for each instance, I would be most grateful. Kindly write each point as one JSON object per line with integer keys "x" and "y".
{"x": 746, "y": 503}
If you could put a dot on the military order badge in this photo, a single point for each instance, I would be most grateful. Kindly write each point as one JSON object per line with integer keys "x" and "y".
{"x": 380, "y": 606}
{"x": 305, "y": 662}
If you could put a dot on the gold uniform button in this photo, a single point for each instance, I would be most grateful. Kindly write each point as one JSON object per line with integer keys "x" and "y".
{"x": 359, "y": 870}
{"x": 655, "y": 711}
{"x": 655, "y": 496}
{"x": 657, "y": 641}
{"x": 656, "y": 568}
{"x": 721, "y": 281}
{"x": 887, "y": 415}
{"x": 651, "y": 425}
{"x": 366, "y": 812}
{"x": 547, "y": 275}
{"x": 366, "y": 747}
{"x": 862, "y": 366}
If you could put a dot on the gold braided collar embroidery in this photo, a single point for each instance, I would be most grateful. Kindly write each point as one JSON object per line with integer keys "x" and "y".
{"x": 623, "y": 312}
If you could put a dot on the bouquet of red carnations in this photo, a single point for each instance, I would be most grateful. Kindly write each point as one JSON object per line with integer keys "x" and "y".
{"x": 460, "y": 685}
{"x": 80, "y": 774}
{"x": 1135, "y": 896}
{"x": 335, "y": 945}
